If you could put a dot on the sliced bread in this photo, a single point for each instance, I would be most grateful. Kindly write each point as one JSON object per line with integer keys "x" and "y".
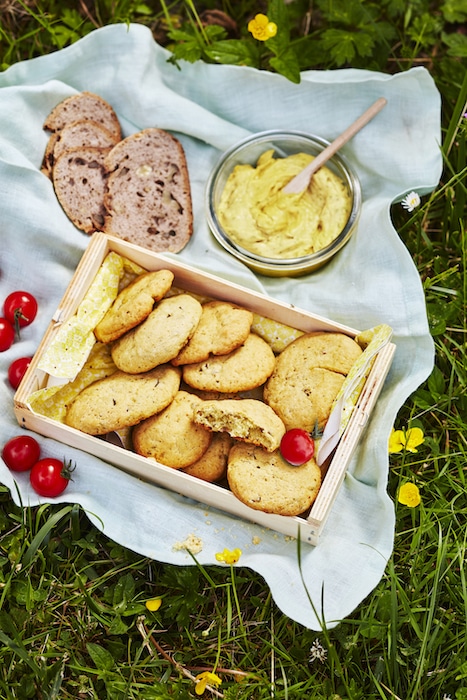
{"x": 79, "y": 179}
{"x": 84, "y": 105}
{"x": 148, "y": 197}
{"x": 85, "y": 132}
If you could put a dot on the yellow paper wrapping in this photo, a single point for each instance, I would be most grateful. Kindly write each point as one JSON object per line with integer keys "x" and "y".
{"x": 70, "y": 349}
{"x": 371, "y": 340}
{"x": 278, "y": 335}
{"x": 54, "y": 400}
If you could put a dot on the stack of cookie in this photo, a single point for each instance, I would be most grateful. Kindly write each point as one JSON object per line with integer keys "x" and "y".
{"x": 204, "y": 394}
{"x": 136, "y": 188}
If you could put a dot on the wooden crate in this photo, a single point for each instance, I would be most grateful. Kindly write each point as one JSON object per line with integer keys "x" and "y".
{"x": 191, "y": 280}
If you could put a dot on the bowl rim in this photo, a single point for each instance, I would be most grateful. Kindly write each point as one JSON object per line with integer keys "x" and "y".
{"x": 276, "y": 264}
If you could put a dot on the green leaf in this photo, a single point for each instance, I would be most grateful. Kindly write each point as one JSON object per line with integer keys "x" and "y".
{"x": 44, "y": 532}
{"x": 453, "y": 11}
{"x": 457, "y": 44}
{"x": 117, "y": 626}
{"x": 437, "y": 383}
{"x": 103, "y": 660}
{"x": 287, "y": 65}
{"x": 188, "y": 45}
{"x": 142, "y": 9}
{"x": 124, "y": 589}
{"x": 277, "y": 13}
{"x": 339, "y": 44}
{"x": 234, "y": 52}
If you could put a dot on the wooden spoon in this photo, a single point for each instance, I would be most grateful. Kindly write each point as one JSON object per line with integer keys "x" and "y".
{"x": 301, "y": 181}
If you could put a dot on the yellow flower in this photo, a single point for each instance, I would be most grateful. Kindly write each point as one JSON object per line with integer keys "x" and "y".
{"x": 409, "y": 495}
{"x": 405, "y": 439}
{"x": 261, "y": 28}
{"x": 153, "y": 604}
{"x": 204, "y": 679}
{"x": 229, "y": 556}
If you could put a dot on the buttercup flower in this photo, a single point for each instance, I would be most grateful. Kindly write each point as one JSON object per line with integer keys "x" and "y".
{"x": 204, "y": 679}
{"x": 229, "y": 556}
{"x": 405, "y": 439}
{"x": 153, "y": 604}
{"x": 261, "y": 28}
{"x": 411, "y": 201}
{"x": 409, "y": 495}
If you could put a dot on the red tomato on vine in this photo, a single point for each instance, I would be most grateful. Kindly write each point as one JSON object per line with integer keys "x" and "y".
{"x": 50, "y": 476}
{"x": 20, "y": 308}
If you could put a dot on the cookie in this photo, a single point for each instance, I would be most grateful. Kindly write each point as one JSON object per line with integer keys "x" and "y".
{"x": 212, "y": 466}
{"x": 122, "y": 400}
{"x": 223, "y": 327}
{"x": 160, "y": 337}
{"x": 264, "y": 481}
{"x": 245, "y": 419}
{"x": 171, "y": 437}
{"x": 133, "y": 305}
{"x": 308, "y": 376}
{"x": 243, "y": 369}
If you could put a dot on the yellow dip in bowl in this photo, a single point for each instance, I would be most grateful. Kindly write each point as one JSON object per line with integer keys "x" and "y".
{"x": 259, "y": 217}
{"x": 277, "y": 234}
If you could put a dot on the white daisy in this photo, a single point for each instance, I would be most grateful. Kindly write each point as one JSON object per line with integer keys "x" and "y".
{"x": 411, "y": 201}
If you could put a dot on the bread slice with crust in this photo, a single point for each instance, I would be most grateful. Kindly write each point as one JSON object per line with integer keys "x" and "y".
{"x": 148, "y": 198}
{"x": 84, "y": 105}
{"x": 84, "y": 132}
{"x": 79, "y": 179}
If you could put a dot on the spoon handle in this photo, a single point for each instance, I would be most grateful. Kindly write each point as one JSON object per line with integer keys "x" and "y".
{"x": 300, "y": 182}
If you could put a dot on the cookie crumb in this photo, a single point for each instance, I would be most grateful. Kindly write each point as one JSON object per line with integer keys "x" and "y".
{"x": 192, "y": 543}
{"x": 256, "y": 539}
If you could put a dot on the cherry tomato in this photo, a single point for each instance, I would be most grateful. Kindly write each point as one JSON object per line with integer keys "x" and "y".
{"x": 17, "y": 370}
{"x": 297, "y": 447}
{"x": 49, "y": 477}
{"x": 21, "y": 453}
{"x": 20, "y": 308}
{"x": 7, "y": 334}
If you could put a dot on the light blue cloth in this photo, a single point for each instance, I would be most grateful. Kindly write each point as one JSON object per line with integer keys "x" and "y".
{"x": 373, "y": 280}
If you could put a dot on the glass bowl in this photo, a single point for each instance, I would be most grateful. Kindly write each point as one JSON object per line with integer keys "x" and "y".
{"x": 283, "y": 143}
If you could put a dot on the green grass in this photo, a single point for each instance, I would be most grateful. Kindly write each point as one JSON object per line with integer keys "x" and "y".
{"x": 73, "y": 621}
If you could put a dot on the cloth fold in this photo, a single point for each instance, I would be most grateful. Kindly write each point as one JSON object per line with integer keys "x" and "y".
{"x": 372, "y": 280}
